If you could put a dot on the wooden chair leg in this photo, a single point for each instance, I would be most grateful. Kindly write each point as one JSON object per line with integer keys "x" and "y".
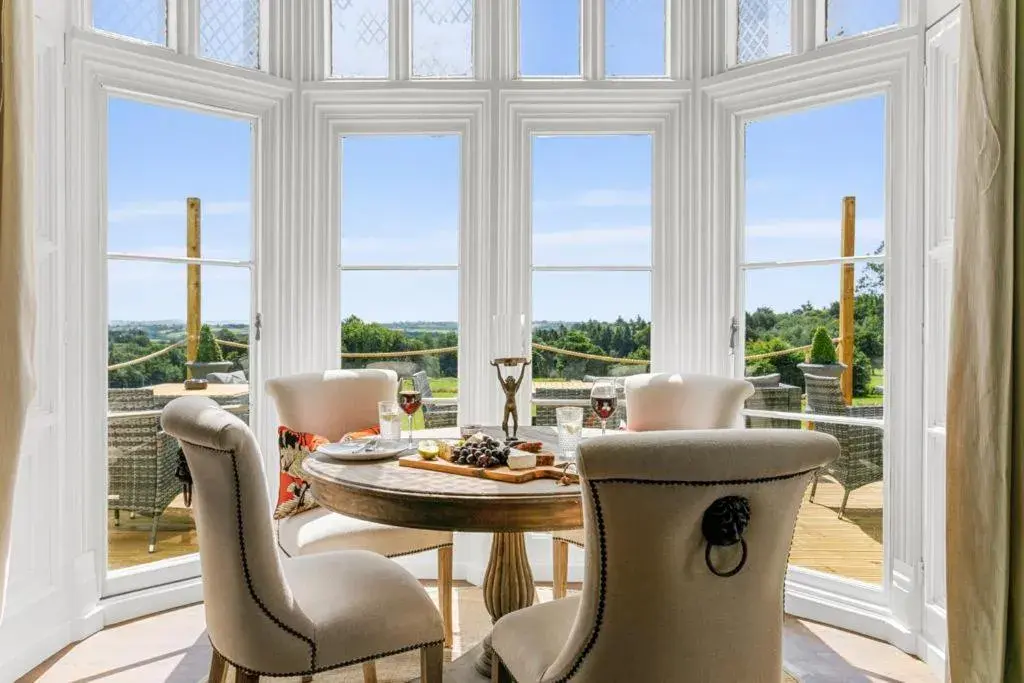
{"x": 217, "y": 668}
{"x": 370, "y": 672}
{"x": 560, "y": 567}
{"x": 431, "y": 663}
{"x": 444, "y": 590}
{"x": 246, "y": 677}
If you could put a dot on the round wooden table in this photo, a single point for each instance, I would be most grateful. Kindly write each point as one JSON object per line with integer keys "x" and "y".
{"x": 384, "y": 492}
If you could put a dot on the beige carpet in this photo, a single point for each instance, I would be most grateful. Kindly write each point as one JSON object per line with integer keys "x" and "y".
{"x": 471, "y": 624}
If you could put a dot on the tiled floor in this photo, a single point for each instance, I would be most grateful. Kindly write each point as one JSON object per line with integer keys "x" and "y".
{"x": 172, "y": 647}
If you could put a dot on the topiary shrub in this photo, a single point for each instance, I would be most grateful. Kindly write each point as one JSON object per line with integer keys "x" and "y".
{"x": 823, "y": 351}
{"x": 862, "y": 369}
{"x": 208, "y": 350}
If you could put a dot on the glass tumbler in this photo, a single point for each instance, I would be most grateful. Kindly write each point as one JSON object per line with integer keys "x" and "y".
{"x": 570, "y": 430}
{"x": 390, "y": 417}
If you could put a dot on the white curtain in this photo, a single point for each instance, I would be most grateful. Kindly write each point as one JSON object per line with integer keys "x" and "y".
{"x": 985, "y": 434}
{"x": 17, "y": 313}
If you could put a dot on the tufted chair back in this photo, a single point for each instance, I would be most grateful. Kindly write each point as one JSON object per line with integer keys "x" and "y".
{"x": 251, "y": 614}
{"x": 651, "y": 502}
{"x": 332, "y": 403}
{"x": 672, "y": 401}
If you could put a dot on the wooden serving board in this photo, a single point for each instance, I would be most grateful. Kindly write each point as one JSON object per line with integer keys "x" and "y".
{"x": 495, "y": 473}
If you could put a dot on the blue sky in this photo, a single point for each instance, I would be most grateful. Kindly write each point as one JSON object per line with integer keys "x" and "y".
{"x": 400, "y": 194}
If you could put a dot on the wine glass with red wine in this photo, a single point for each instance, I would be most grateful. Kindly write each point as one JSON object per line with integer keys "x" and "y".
{"x": 604, "y": 399}
{"x": 409, "y": 400}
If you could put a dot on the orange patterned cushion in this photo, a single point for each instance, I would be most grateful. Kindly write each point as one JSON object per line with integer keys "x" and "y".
{"x": 293, "y": 495}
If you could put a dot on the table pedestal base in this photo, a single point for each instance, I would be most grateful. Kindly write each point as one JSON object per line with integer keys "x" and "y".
{"x": 508, "y": 585}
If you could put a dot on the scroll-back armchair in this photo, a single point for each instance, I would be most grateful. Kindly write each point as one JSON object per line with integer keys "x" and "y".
{"x": 332, "y": 404}
{"x": 688, "y": 537}
{"x": 664, "y": 401}
{"x": 274, "y": 616}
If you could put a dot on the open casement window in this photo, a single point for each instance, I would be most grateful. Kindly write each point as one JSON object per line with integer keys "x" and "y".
{"x": 813, "y": 289}
{"x": 179, "y": 306}
{"x": 226, "y": 31}
{"x": 400, "y": 213}
{"x": 381, "y": 39}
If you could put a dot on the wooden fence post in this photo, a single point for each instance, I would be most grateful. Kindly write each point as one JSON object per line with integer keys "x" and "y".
{"x": 846, "y": 297}
{"x": 194, "y": 314}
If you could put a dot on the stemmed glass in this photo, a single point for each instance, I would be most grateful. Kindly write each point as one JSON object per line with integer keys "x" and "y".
{"x": 604, "y": 399}
{"x": 409, "y": 400}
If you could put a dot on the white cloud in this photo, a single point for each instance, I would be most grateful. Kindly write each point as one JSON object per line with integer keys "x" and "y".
{"x": 172, "y": 207}
{"x": 606, "y": 198}
{"x": 593, "y": 237}
{"x": 815, "y": 229}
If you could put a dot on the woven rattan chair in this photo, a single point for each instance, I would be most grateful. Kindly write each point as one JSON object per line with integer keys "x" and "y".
{"x": 141, "y": 461}
{"x": 860, "y": 462}
{"x": 434, "y": 416}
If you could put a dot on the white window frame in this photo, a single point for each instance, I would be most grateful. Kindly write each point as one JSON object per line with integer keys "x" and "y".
{"x": 335, "y": 116}
{"x": 102, "y": 71}
{"x": 887, "y": 611}
{"x": 183, "y": 17}
{"x": 659, "y": 114}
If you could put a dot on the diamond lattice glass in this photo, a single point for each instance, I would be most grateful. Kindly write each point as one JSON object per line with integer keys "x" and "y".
{"x": 845, "y": 18}
{"x": 359, "y": 38}
{"x": 229, "y": 31}
{"x": 634, "y": 38}
{"x": 763, "y": 29}
{"x": 442, "y": 38}
{"x": 139, "y": 19}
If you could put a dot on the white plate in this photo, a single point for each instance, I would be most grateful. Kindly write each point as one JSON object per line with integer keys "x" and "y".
{"x": 356, "y": 449}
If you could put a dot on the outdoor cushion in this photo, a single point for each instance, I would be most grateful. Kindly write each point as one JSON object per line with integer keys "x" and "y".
{"x": 294, "y": 495}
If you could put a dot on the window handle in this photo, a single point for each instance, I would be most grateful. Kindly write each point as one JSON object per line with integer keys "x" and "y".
{"x": 734, "y": 328}
{"x": 258, "y": 326}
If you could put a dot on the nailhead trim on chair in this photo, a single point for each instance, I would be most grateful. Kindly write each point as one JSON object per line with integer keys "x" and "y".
{"x": 421, "y": 550}
{"x": 599, "y": 614}
{"x": 248, "y": 578}
{"x": 252, "y": 593}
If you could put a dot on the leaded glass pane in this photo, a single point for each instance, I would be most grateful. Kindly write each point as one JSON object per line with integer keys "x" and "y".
{"x": 763, "y": 29}
{"x": 359, "y": 37}
{"x": 229, "y": 31}
{"x": 634, "y": 38}
{"x": 845, "y": 18}
{"x": 140, "y": 19}
{"x": 442, "y": 38}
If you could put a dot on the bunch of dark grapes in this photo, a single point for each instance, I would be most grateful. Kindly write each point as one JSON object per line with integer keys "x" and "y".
{"x": 489, "y": 452}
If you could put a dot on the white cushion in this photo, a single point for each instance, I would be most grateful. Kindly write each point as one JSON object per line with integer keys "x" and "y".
{"x": 320, "y": 530}
{"x": 574, "y": 536}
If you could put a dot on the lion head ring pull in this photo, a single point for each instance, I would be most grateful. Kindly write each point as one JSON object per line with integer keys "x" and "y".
{"x": 723, "y": 525}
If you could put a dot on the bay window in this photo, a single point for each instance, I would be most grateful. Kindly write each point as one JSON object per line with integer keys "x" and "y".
{"x": 606, "y": 186}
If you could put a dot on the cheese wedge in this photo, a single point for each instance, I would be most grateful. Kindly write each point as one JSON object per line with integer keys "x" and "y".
{"x": 521, "y": 460}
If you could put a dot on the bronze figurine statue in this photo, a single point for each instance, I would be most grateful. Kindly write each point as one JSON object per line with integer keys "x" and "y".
{"x": 510, "y": 385}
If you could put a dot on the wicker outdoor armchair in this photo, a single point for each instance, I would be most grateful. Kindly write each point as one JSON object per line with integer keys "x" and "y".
{"x": 434, "y": 415}
{"x": 860, "y": 460}
{"x": 141, "y": 461}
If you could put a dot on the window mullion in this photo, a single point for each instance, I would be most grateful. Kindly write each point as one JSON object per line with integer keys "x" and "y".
{"x": 400, "y": 39}
{"x": 185, "y": 26}
{"x": 592, "y": 40}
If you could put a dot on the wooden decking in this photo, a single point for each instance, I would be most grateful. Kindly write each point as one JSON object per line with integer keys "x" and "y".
{"x": 850, "y": 547}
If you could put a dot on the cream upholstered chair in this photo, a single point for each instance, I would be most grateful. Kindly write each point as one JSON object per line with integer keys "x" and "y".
{"x": 332, "y": 404}
{"x": 688, "y": 537}
{"x": 663, "y": 401}
{"x": 273, "y": 616}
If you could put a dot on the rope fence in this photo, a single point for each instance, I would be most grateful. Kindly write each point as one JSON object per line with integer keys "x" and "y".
{"x": 453, "y": 349}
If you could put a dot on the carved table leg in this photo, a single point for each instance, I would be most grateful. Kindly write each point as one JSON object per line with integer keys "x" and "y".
{"x": 508, "y": 585}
